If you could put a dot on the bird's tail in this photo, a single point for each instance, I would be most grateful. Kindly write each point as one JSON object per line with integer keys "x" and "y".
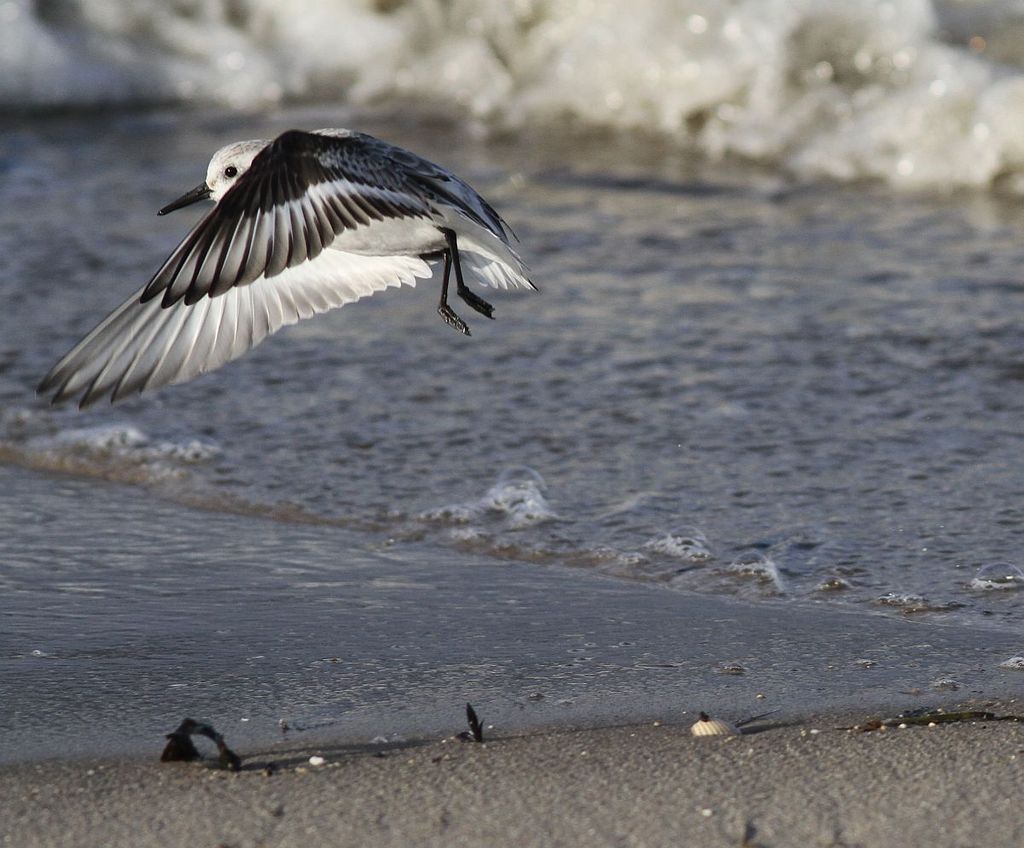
{"x": 492, "y": 271}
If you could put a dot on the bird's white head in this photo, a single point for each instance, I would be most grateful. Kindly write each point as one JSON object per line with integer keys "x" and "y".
{"x": 226, "y": 166}
{"x": 229, "y": 163}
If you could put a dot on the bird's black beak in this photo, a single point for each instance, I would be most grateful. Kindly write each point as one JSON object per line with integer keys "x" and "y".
{"x": 200, "y": 192}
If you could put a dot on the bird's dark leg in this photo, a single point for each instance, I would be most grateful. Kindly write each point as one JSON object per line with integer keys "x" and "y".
{"x": 443, "y": 309}
{"x": 462, "y": 290}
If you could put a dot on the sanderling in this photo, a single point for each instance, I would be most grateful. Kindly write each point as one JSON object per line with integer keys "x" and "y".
{"x": 305, "y": 223}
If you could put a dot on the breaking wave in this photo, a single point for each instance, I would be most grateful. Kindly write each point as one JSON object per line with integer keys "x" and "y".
{"x": 920, "y": 94}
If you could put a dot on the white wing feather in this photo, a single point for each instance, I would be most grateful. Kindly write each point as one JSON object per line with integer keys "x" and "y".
{"x": 141, "y": 346}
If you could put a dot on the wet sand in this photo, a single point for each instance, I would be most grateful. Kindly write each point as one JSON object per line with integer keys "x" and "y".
{"x": 232, "y": 626}
{"x": 786, "y": 785}
{"x": 541, "y": 652}
{"x": 566, "y": 674}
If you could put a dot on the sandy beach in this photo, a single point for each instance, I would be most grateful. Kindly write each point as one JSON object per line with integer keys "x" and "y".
{"x": 797, "y": 783}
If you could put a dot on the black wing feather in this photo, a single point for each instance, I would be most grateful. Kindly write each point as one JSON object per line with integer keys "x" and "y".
{"x": 279, "y": 222}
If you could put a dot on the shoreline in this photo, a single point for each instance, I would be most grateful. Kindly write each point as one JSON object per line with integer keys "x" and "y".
{"x": 395, "y": 646}
{"x": 583, "y": 764}
{"x": 794, "y": 781}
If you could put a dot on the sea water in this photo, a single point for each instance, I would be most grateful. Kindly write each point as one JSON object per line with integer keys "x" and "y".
{"x": 730, "y": 381}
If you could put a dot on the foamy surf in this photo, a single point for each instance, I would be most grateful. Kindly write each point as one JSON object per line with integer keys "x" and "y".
{"x": 120, "y": 452}
{"x": 689, "y": 545}
{"x": 918, "y": 94}
{"x": 516, "y": 500}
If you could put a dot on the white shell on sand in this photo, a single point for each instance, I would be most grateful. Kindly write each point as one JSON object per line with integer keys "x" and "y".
{"x": 707, "y": 726}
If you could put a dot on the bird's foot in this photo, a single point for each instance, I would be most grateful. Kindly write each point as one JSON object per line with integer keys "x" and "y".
{"x": 477, "y": 302}
{"x": 451, "y": 319}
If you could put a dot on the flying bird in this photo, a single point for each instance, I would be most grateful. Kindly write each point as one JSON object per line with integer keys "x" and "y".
{"x": 301, "y": 224}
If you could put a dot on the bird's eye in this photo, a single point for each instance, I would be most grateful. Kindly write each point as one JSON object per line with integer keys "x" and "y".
{"x": 231, "y": 171}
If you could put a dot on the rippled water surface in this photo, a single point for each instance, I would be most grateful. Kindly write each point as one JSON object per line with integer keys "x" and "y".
{"x": 729, "y": 383}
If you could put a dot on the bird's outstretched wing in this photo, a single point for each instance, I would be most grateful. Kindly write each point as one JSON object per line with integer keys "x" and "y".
{"x": 300, "y": 192}
{"x": 141, "y": 346}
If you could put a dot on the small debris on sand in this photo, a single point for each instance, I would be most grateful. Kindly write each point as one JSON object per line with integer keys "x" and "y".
{"x": 707, "y": 726}
{"x": 179, "y": 746}
{"x": 476, "y": 728}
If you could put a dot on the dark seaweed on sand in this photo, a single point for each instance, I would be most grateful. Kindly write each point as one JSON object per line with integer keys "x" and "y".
{"x": 927, "y": 718}
{"x": 179, "y": 746}
{"x": 476, "y": 728}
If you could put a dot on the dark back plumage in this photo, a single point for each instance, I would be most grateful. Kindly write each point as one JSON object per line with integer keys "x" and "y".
{"x": 300, "y": 192}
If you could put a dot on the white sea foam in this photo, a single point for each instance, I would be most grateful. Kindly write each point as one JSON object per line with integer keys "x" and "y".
{"x": 613, "y": 561}
{"x": 107, "y": 437}
{"x": 833, "y": 584}
{"x": 913, "y": 92}
{"x": 760, "y": 567}
{"x": 517, "y": 497}
{"x": 998, "y": 576}
{"x": 114, "y": 451}
{"x": 124, "y": 440}
{"x": 903, "y": 600}
{"x": 911, "y": 604}
{"x": 465, "y": 534}
{"x": 690, "y": 545}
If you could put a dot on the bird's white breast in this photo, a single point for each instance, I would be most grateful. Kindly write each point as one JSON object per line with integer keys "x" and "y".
{"x": 391, "y": 237}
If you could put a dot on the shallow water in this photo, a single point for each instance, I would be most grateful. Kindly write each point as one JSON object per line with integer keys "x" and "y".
{"x": 122, "y": 615}
{"x": 729, "y": 383}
